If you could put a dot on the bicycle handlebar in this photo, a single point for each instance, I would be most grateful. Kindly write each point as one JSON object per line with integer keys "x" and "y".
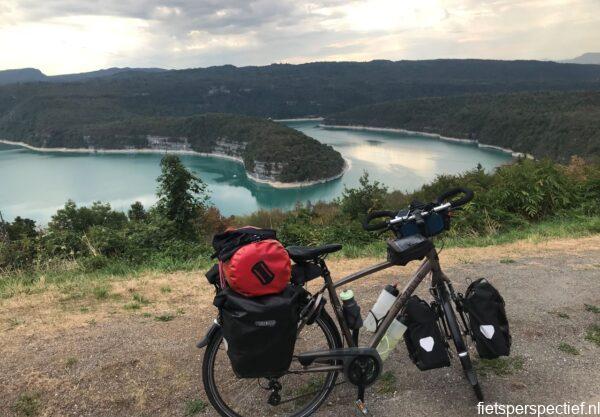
{"x": 393, "y": 218}
{"x": 468, "y": 196}
{"x": 375, "y": 215}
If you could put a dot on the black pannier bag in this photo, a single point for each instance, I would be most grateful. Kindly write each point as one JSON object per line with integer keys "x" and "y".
{"x": 261, "y": 331}
{"x": 425, "y": 344}
{"x": 212, "y": 275}
{"x": 487, "y": 317}
{"x": 402, "y": 251}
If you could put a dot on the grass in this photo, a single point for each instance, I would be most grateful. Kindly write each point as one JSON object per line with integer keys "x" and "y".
{"x": 592, "y": 308}
{"x": 146, "y": 315}
{"x": 500, "y": 366}
{"x": 14, "y": 322}
{"x": 165, "y": 290}
{"x": 70, "y": 362}
{"x": 132, "y": 306}
{"x": 69, "y": 275}
{"x": 507, "y": 261}
{"x": 164, "y": 317}
{"x": 559, "y": 227}
{"x": 102, "y": 292}
{"x": 560, "y": 314}
{"x": 28, "y": 405}
{"x": 193, "y": 407}
{"x": 137, "y": 297}
{"x": 593, "y": 334}
{"x": 78, "y": 282}
{"x": 387, "y": 383}
{"x": 567, "y": 348}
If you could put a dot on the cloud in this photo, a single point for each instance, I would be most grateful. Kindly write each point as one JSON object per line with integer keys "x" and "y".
{"x": 61, "y": 36}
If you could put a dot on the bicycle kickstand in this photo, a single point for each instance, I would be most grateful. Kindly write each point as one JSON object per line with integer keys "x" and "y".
{"x": 360, "y": 401}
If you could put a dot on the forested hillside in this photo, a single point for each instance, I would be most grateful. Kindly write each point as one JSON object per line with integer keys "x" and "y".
{"x": 551, "y": 124}
{"x": 283, "y": 90}
{"x": 27, "y": 75}
{"x": 270, "y": 151}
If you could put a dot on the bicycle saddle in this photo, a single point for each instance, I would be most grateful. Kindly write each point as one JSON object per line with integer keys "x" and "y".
{"x": 307, "y": 253}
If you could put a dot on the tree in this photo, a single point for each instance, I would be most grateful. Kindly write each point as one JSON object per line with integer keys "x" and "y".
{"x": 137, "y": 212}
{"x": 183, "y": 197}
{"x": 357, "y": 202}
{"x": 21, "y": 228}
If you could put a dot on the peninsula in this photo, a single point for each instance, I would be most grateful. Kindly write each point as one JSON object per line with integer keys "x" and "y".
{"x": 272, "y": 153}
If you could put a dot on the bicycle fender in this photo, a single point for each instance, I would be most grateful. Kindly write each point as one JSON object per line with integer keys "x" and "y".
{"x": 209, "y": 335}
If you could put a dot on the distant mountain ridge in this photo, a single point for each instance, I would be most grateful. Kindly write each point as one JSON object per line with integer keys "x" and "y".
{"x": 287, "y": 91}
{"x": 25, "y": 75}
{"x": 587, "y": 58}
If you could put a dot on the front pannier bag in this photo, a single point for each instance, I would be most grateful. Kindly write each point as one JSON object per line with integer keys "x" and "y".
{"x": 252, "y": 261}
{"x": 260, "y": 332}
{"x": 487, "y": 317}
{"x": 424, "y": 342}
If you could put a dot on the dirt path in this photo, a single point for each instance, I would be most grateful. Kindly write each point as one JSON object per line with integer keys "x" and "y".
{"x": 127, "y": 348}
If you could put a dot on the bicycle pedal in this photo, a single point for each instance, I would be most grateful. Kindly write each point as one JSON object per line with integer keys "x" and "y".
{"x": 362, "y": 407}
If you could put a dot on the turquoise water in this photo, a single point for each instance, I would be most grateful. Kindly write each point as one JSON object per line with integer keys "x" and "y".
{"x": 36, "y": 184}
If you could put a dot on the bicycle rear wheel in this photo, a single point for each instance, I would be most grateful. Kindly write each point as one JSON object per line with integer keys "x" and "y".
{"x": 301, "y": 394}
{"x": 453, "y": 327}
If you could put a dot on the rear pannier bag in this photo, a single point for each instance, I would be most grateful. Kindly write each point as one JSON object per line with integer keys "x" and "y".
{"x": 252, "y": 261}
{"x": 424, "y": 341}
{"x": 402, "y": 251}
{"x": 487, "y": 317}
{"x": 260, "y": 332}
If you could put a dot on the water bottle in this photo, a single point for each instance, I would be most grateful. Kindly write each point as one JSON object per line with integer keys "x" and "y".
{"x": 382, "y": 306}
{"x": 391, "y": 338}
{"x": 351, "y": 310}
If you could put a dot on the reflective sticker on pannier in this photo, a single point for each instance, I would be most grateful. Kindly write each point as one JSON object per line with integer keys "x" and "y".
{"x": 265, "y": 323}
{"x": 487, "y": 330}
{"x": 427, "y": 343}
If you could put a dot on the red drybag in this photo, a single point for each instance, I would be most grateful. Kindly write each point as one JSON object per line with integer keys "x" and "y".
{"x": 252, "y": 261}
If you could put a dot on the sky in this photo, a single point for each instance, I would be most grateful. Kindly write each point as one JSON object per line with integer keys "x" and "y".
{"x": 67, "y": 36}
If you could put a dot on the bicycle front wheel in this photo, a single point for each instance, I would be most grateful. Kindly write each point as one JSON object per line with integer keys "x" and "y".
{"x": 301, "y": 394}
{"x": 459, "y": 342}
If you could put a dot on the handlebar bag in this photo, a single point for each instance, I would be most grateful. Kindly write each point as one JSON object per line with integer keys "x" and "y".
{"x": 434, "y": 224}
{"x": 487, "y": 318}
{"x": 252, "y": 261}
{"x": 260, "y": 332}
{"x": 402, "y": 251}
{"x": 424, "y": 341}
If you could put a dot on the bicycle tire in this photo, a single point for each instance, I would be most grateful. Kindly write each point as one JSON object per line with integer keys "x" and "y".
{"x": 459, "y": 343}
{"x": 334, "y": 340}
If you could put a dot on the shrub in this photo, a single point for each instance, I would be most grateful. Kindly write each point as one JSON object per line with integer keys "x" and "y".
{"x": 357, "y": 202}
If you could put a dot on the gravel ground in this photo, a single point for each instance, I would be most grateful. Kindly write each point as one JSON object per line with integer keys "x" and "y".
{"x": 101, "y": 360}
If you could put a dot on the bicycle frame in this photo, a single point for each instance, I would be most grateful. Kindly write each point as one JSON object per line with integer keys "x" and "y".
{"x": 430, "y": 264}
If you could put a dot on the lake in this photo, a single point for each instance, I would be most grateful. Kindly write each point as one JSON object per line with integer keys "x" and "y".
{"x": 35, "y": 184}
